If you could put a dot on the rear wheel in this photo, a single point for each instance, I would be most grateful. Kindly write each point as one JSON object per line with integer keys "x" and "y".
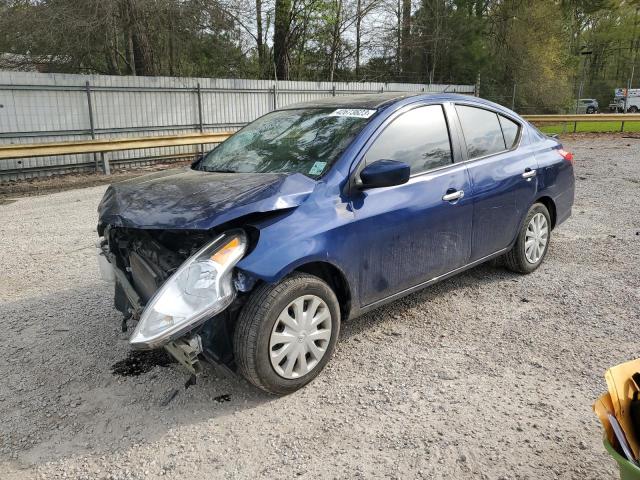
{"x": 286, "y": 333}
{"x": 632, "y": 109}
{"x": 532, "y": 243}
{"x": 591, "y": 110}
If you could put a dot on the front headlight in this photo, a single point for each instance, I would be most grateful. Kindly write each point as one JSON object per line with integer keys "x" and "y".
{"x": 198, "y": 290}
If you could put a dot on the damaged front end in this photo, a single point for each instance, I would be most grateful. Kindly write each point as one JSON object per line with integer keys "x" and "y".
{"x": 178, "y": 285}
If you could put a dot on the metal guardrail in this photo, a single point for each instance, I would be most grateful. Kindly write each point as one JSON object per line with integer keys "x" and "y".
{"x": 108, "y": 145}
{"x": 118, "y": 144}
{"x": 102, "y": 146}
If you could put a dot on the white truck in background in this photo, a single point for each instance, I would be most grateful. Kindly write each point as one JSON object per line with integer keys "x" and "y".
{"x": 626, "y": 100}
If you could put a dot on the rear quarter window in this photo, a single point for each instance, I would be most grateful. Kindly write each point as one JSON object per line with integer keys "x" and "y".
{"x": 510, "y": 130}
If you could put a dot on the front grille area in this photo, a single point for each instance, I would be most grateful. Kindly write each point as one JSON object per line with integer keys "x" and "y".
{"x": 145, "y": 279}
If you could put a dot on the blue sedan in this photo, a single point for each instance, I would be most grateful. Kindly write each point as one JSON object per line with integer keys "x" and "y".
{"x": 319, "y": 212}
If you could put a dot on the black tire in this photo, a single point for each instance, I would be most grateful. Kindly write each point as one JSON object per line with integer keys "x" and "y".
{"x": 256, "y": 322}
{"x": 516, "y": 260}
{"x": 632, "y": 109}
{"x": 591, "y": 110}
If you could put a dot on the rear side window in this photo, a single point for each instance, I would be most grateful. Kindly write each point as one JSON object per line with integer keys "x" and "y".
{"x": 482, "y": 131}
{"x": 419, "y": 137}
{"x": 509, "y": 130}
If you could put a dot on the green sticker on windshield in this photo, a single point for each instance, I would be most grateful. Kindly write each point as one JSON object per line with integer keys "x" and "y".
{"x": 317, "y": 168}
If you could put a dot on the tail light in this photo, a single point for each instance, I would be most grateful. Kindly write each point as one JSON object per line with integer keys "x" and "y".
{"x": 568, "y": 156}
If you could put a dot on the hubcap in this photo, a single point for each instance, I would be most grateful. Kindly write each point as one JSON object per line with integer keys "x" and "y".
{"x": 300, "y": 337}
{"x": 535, "y": 242}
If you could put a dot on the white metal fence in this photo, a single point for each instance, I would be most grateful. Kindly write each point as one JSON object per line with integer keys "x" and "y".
{"x": 37, "y": 107}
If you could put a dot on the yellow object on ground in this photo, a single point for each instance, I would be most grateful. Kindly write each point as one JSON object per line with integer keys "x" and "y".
{"x": 602, "y": 407}
{"x": 621, "y": 390}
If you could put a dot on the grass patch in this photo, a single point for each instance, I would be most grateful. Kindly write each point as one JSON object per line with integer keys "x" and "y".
{"x": 590, "y": 127}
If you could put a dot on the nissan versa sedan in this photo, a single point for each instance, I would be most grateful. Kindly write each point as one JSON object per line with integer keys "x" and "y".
{"x": 319, "y": 212}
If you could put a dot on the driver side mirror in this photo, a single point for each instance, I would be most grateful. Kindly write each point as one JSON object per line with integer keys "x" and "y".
{"x": 384, "y": 173}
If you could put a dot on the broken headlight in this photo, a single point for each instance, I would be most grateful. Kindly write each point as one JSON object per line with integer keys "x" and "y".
{"x": 199, "y": 289}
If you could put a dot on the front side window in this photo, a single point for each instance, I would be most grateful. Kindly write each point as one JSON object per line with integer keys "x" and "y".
{"x": 306, "y": 141}
{"x": 482, "y": 131}
{"x": 419, "y": 137}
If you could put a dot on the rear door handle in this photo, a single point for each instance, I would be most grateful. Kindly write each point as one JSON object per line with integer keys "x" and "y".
{"x": 453, "y": 196}
{"x": 528, "y": 173}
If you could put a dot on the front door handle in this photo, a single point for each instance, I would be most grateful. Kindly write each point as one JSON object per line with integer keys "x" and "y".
{"x": 453, "y": 196}
{"x": 528, "y": 173}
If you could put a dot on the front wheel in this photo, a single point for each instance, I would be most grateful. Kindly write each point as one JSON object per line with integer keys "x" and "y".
{"x": 286, "y": 333}
{"x": 532, "y": 243}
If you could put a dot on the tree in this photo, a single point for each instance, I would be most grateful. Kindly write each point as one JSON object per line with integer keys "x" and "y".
{"x": 532, "y": 44}
{"x": 405, "y": 37}
{"x": 335, "y": 38}
{"x": 282, "y": 38}
{"x": 259, "y": 37}
{"x": 359, "y": 18}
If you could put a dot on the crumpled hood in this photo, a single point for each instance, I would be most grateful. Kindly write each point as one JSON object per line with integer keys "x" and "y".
{"x": 195, "y": 200}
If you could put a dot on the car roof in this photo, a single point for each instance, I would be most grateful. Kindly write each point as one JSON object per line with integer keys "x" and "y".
{"x": 379, "y": 101}
{"x": 365, "y": 100}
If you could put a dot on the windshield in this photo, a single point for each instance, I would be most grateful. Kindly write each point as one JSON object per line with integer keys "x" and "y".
{"x": 304, "y": 141}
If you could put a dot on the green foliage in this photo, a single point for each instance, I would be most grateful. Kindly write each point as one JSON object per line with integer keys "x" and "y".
{"x": 612, "y": 37}
{"x": 151, "y": 37}
{"x": 525, "y": 53}
{"x": 529, "y": 50}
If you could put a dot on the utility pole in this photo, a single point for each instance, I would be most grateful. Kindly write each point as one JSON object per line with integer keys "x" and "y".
{"x": 585, "y": 51}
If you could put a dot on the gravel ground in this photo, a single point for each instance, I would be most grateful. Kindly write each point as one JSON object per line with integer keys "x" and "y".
{"x": 486, "y": 375}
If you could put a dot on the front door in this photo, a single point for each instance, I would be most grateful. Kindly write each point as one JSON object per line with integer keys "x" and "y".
{"x": 414, "y": 232}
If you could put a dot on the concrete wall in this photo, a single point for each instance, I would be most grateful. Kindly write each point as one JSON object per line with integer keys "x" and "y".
{"x": 36, "y": 108}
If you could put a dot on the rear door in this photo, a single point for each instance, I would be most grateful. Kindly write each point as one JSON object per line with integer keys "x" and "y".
{"x": 502, "y": 174}
{"x": 414, "y": 232}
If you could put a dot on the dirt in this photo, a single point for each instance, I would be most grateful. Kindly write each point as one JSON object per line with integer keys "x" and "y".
{"x": 487, "y": 375}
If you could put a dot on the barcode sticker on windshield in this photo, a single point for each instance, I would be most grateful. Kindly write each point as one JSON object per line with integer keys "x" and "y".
{"x": 317, "y": 168}
{"x": 352, "y": 112}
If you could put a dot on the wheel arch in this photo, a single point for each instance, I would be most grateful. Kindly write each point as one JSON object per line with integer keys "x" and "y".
{"x": 335, "y": 278}
{"x": 551, "y": 207}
